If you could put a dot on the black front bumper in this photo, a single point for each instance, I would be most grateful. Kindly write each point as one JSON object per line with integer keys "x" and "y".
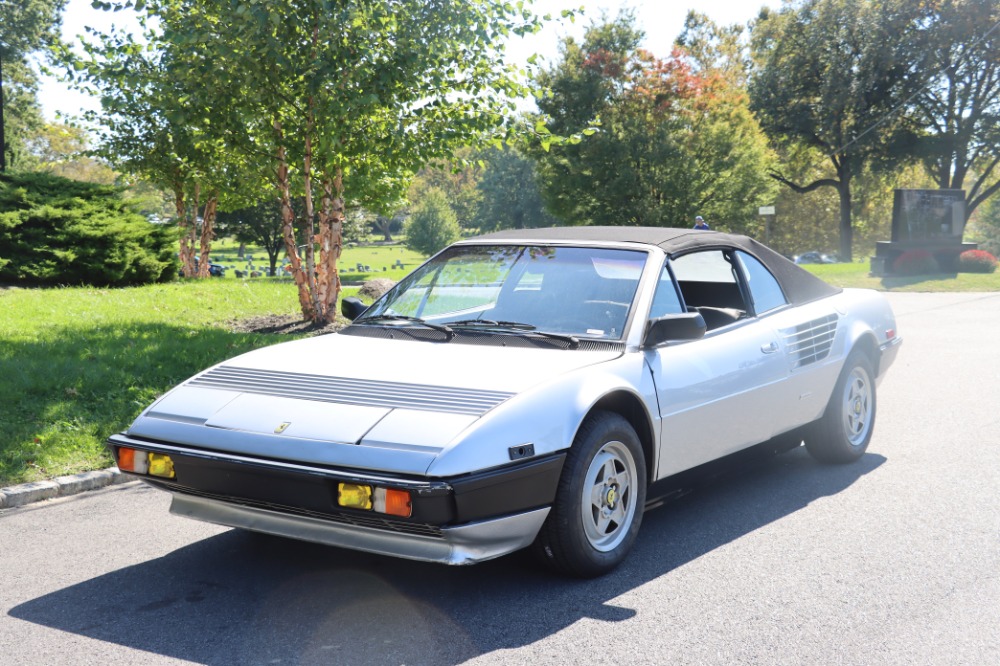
{"x": 311, "y": 490}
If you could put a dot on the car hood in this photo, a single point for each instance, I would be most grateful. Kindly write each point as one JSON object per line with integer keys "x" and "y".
{"x": 492, "y": 367}
{"x": 336, "y": 395}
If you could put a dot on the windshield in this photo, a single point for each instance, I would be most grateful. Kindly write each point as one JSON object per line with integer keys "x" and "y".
{"x": 579, "y": 291}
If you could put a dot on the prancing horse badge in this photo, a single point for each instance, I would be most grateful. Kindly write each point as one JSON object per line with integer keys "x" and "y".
{"x": 284, "y": 426}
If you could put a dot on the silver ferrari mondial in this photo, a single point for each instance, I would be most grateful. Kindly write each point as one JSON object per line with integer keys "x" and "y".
{"x": 527, "y": 388}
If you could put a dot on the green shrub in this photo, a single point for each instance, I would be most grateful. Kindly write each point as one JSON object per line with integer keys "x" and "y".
{"x": 976, "y": 261}
{"x": 915, "y": 262}
{"x": 56, "y": 231}
{"x": 432, "y": 225}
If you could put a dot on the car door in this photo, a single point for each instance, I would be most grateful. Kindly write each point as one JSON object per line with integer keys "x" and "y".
{"x": 718, "y": 394}
{"x": 805, "y": 335}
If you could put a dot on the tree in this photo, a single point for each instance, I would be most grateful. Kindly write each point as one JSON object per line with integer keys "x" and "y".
{"x": 357, "y": 224}
{"x": 432, "y": 225}
{"x": 716, "y": 50}
{"x": 809, "y": 221}
{"x": 458, "y": 177}
{"x": 347, "y": 100}
{"x": 673, "y": 142}
{"x": 956, "y": 113}
{"x": 156, "y": 122}
{"x": 828, "y": 73}
{"x": 25, "y": 27}
{"x": 387, "y": 224}
{"x": 509, "y": 195}
{"x": 985, "y": 227}
{"x": 61, "y": 149}
{"x": 259, "y": 225}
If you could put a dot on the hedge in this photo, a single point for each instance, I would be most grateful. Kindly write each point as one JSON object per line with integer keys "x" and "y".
{"x": 56, "y": 231}
{"x": 976, "y": 261}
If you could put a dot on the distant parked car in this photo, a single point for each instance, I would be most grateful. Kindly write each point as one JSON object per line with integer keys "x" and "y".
{"x": 532, "y": 388}
{"x": 815, "y": 258}
{"x": 215, "y": 270}
{"x": 218, "y": 270}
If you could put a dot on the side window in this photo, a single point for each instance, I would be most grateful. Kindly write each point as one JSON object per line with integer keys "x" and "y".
{"x": 764, "y": 289}
{"x": 709, "y": 285}
{"x": 665, "y": 300}
{"x": 707, "y": 279}
{"x": 709, "y": 266}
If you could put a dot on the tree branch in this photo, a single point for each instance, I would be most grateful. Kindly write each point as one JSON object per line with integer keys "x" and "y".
{"x": 983, "y": 177}
{"x": 987, "y": 193}
{"x": 805, "y": 189}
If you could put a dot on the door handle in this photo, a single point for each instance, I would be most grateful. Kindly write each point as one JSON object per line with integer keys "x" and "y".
{"x": 769, "y": 348}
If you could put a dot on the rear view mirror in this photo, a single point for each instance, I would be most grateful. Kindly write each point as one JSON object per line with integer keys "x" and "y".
{"x": 352, "y": 308}
{"x": 675, "y": 327}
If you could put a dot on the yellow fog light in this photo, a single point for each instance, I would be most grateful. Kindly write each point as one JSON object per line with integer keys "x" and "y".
{"x": 354, "y": 496}
{"x": 160, "y": 464}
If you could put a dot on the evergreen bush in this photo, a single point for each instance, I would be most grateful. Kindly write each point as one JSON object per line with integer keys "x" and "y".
{"x": 56, "y": 231}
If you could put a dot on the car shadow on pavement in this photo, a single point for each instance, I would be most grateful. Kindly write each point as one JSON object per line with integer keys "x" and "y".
{"x": 243, "y": 598}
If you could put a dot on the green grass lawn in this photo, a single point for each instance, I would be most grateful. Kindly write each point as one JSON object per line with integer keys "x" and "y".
{"x": 375, "y": 261}
{"x": 79, "y": 364}
{"x": 856, "y": 275}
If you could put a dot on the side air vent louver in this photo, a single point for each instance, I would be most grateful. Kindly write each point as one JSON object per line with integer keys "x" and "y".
{"x": 351, "y": 391}
{"x": 811, "y": 341}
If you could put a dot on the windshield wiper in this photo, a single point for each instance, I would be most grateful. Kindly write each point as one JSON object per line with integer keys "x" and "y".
{"x": 516, "y": 327}
{"x": 492, "y": 323}
{"x": 374, "y": 319}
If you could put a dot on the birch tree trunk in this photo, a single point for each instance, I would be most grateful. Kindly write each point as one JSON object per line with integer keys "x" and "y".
{"x": 187, "y": 232}
{"x": 310, "y": 220}
{"x": 207, "y": 234}
{"x": 331, "y": 244}
{"x": 288, "y": 225}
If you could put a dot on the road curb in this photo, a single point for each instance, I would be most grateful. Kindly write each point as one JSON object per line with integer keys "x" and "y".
{"x": 63, "y": 486}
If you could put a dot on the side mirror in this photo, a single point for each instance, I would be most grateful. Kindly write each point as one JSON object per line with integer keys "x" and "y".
{"x": 352, "y": 308}
{"x": 675, "y": 327}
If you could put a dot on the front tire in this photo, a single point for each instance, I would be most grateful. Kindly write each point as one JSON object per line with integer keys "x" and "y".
{"x": 843, "y": 432}
{"x": 599, "y": 501}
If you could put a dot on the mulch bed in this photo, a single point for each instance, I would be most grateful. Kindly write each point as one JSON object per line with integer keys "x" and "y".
{"x": 284, "y": 325}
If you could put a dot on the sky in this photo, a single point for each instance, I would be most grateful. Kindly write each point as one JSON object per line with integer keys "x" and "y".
{"x": 662, "y": 20}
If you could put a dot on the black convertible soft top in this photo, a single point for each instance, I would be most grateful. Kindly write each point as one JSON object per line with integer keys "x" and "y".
{"x": 799, "y": 285}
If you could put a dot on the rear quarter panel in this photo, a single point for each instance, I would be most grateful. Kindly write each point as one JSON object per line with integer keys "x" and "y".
{"x": 863, "y": 318}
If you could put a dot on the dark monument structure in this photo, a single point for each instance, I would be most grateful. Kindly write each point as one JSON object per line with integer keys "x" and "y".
{"x": 931, "y": 220}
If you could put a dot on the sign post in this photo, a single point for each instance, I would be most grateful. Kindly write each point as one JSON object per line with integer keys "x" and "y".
{"x": 767, "y": 212}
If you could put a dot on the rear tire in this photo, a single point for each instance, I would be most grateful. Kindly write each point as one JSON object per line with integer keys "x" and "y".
{"x": 599, "y": 502}
{"x": 842, "y": 434}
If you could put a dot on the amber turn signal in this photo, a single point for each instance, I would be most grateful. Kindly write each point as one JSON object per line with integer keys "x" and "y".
{"x": 393, "y": 502}
{"x": 133, "y": 460}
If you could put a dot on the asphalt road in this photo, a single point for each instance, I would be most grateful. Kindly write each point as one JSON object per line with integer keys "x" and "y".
{"x": 894, "y": 560}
